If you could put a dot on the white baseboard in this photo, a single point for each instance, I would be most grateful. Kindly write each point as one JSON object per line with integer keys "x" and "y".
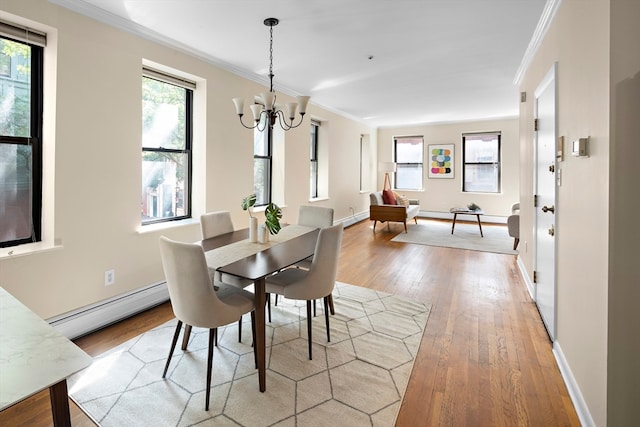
{"x": 93, "y": 317}
{"x": 572, "y": 386}
{"x": 353, "y": 219}
{"x": 527, "y": 280}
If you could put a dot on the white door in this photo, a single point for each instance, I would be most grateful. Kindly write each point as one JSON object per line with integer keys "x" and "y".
{"x": 545, "y": 209}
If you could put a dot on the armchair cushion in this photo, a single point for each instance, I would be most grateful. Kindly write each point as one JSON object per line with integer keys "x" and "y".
{"x": 388, "y": 197}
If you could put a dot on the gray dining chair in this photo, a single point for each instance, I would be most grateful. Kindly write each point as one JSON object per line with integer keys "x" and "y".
{"x": 313, "y": 216}
{"x": 194, "y": 300}
{"x": 316, "y": 282}
{"x": 213, "y": 224}
{"x": 320, "y": 217}
{"x": 317, "y": 217}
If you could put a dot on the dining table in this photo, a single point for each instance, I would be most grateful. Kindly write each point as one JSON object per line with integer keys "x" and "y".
{"x": 234, "y": 255}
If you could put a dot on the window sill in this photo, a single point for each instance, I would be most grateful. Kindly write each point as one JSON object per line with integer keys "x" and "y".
{"x": 318, "y": 199}
{"x": 28, "y": 249}
{"x": 151, "y": 228}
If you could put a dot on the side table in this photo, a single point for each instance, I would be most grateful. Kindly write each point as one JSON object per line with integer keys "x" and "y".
{"x": 464, "y": 211}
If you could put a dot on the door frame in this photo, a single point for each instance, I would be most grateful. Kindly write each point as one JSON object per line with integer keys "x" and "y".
{"x": 550, "y": 78}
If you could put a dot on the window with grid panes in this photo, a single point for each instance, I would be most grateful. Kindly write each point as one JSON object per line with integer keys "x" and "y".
{"x": 21, "y": 143}
{"x": 481, "y": 162}
{"x": 409, "y": 157}
{"x": 167, "y": 120}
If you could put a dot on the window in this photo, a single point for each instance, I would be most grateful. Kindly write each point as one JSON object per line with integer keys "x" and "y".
{"x": 313, "y": 177}
{"x": 262, "y": 150}
{"x": 408, "y": 151}
{"x": 166, "y": 147}
{"x": 5, "y": 63}
{"x": 21, "y": 100}
{"x": 481, "y": 162}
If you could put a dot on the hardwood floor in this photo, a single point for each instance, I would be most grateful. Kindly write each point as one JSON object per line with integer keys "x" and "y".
{"x": 485, "y": 358}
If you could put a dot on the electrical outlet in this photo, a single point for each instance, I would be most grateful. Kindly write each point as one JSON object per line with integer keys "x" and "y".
{"x": 109, "y": 277}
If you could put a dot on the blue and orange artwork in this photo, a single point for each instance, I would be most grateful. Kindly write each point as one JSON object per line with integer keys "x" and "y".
{"x": 440, "y": 161}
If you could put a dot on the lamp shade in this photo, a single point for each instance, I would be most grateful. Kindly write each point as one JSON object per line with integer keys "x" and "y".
{"x": 386, "y": 167}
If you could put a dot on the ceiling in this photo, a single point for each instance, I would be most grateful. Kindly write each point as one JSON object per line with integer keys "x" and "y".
{"x": 382, "y": 62}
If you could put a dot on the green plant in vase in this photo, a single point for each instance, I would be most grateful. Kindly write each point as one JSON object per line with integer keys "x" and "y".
{"x": 248, "y": 202}
{"x": 272, "y": 215}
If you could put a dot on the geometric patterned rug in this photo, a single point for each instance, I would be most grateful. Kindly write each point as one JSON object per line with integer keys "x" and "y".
{"x": 358, "y": 379}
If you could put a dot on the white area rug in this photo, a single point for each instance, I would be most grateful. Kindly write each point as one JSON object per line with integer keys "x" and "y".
{"x": 358, "y": 379}
{"x": 465, "y": 236}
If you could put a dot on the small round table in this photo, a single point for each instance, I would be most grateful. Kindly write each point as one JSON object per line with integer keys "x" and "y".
{"x": 462, "y": 211}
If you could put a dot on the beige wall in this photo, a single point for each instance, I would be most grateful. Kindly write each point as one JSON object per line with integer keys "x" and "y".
{"x": 578, "y": 40}
{"x": 439, "y": 195}
{"x": 92, "y": 174}
{"x": 623, "y": 375}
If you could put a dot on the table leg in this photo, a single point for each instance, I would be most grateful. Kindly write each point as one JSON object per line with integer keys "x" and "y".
{"x": 480, "y": 225}
{"x": 60, "y": 404}
{"x": 260, "y": 301}
{"x": 455, "y": 215}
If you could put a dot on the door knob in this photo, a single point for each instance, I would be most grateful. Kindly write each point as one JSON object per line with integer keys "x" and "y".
{"x": 548, "y": 209}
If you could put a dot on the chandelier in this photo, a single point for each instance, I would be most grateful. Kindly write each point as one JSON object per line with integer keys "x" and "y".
{"x": 264, "y": 109}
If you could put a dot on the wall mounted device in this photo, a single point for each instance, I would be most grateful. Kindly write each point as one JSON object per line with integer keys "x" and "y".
{"x": 579, "y": 147}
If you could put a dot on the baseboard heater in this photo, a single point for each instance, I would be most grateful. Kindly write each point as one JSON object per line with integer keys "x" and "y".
{"x": 93, "y": 317}
{"x": 104, "y": 313}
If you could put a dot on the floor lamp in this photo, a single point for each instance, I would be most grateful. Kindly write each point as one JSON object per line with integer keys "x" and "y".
{"x": 387, "y": 168}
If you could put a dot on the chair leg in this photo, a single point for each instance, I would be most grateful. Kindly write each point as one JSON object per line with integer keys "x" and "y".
{"x": 515, "y": 243}
{"x": 331, "y": 307}
{"x": 253, "y": 334}
{"x": 374, "y": 226}
{"x": 405, "y": 226}
{"x": 326, "y": 317}
{"x": 269, "y": 306}
{"x": 240, "y": 329}
{"x": 185, "y": 337}
{"x": 314, "y": 308}
{"x": 309, "y": 327}
{"x": 276, "y": 301}
{"x": 215, "y": 334}
{"x": 173, "y": 346}
{"x": 212, "y": 333}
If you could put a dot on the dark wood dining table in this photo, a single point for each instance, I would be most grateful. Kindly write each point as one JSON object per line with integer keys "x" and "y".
{"x": 257, "y": 262}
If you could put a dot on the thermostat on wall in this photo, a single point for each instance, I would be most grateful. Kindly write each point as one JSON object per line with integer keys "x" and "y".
{"x": 579, "y": 148}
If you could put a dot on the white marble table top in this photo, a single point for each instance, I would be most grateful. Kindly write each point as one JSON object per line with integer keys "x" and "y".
{"x": 33, "y": 355}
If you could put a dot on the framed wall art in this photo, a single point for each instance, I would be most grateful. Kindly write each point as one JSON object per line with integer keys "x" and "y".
{"x": 441, "y": 161}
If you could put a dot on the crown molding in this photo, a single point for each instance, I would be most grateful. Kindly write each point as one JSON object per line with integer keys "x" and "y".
{"x": 548, "y": 13}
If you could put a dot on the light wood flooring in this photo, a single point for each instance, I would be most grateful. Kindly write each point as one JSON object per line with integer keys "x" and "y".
{"x": 485, "y": 358}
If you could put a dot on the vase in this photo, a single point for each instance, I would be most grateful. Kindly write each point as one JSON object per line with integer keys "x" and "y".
{"x": 253, "y": 229}
{"x": 263, "y": 234}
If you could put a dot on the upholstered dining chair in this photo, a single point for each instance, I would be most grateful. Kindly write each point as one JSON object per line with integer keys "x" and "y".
{"x": 316, "y": 282}
{"x": 313, "y": 216}
{"x": 320, "y": 217}
{"x": 194, "y": 300}
{"x": 317, "y": 217}
{"x": 213, "y": 224}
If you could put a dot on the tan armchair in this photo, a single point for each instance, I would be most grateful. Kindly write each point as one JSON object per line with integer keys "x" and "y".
{"x": 513, "y": 224}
